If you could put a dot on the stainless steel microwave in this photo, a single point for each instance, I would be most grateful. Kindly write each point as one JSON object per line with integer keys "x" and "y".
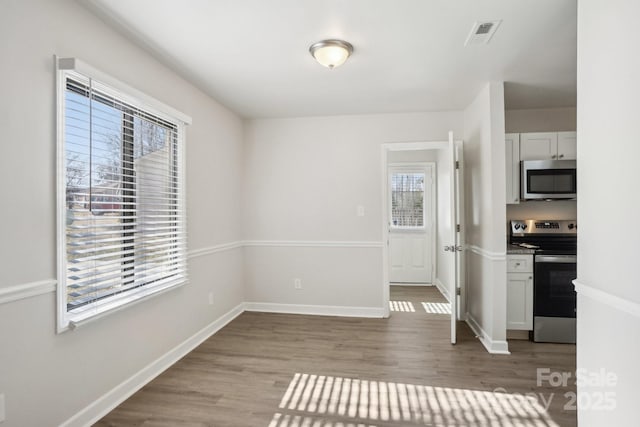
{"x": 548, "y": 179}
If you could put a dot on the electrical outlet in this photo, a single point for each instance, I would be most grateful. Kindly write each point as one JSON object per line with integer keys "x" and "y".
{"x": 297, "y": 283}
{"x": 210, "y": 298}
{"x": 2, "y": 412}
{"x": 360, "y": 210}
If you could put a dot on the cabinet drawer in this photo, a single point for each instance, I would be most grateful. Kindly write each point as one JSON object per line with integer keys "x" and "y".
{"x": 519, "y": 263}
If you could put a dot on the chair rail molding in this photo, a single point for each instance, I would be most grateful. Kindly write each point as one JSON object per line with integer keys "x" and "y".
{"x": 314, "y": 243}
{"x": 493, "y": 256}
{"x": 629, "y": 307}
{"x": 209, "y": 250}
{"x": 27, "y": 290}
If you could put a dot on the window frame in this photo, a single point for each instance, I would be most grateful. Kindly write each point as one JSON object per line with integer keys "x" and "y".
{"x": 67, "y": 68}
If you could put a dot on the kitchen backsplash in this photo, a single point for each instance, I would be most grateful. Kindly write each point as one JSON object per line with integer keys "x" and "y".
{"x": 557, "y": 209}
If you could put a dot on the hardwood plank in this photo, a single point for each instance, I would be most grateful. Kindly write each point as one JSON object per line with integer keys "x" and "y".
{"x": 392, "y": 372}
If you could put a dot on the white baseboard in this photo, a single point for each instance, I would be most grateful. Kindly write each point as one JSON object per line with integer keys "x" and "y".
{"x": 493, "y": 347}
{"x": 443, "y": 290}
{"x": 103, "y": 405}
{"x": 316, "y": 310}
{"x": 424, "y": 285}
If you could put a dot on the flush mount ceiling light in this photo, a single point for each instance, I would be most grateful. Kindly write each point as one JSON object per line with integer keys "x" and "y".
{"x": 331, "y": 53}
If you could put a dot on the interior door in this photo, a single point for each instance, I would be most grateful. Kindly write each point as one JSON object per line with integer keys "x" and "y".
{"x": 456, "y": 249}
{"x": 411, "y": 225}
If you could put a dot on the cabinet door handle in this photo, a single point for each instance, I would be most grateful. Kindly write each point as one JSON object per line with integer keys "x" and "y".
{"x": 554, "y": 156}
{"x": 530, "y": 277}
{"x": 517, "y": 264}
{"x": 561, "y": 156}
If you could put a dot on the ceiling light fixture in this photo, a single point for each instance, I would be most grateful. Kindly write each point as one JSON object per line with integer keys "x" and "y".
{"x": 331, "y": 53}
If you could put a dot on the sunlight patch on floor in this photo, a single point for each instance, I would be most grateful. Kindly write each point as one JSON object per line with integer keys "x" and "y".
{"x": 437, "y": 307}
{"x": 285, "y": 420}
{"x": 309, "y": 397}
{"x": 402, "y": 306}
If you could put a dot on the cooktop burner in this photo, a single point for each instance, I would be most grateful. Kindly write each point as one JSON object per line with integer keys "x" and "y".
{"x": 545, "y": 236}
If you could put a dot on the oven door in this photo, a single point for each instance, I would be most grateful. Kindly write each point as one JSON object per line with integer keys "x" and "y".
{"x": 554, "y": 299}
{"x": 554, "y": 293}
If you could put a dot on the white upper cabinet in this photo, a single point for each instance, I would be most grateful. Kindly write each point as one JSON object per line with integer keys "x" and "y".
{"x": 539, "y": 146}
{"x": 548, "y": 146}
{"x": 534, "y": 146}
{"x": 567, "y": 145}
{"x": 512, "y": 150}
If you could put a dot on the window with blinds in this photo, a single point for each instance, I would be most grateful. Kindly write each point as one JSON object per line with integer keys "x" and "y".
{"x": 407, "y": 200}
{"x": 124, "y": 219}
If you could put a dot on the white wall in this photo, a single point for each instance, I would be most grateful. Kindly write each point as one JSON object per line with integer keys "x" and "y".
{"x": 541, "y": 120}
{"x": 608, "y": 152}
{"x": 557, "y": 209}
{"x": 47, "y": 378}
{"x": 304, "y": 179}
{"x": 486, "y": 216}
{"x": 412, "y": 156}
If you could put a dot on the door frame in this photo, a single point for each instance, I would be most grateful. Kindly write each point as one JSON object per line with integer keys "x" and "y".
{"x": 385, "y": 149}
{"x": 429, "y": 168}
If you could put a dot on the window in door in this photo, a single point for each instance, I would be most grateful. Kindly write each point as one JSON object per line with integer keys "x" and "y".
{"x": 407, "y": 200}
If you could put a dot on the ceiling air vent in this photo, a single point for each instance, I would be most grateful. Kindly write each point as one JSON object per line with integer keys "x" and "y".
{"x": 481, "y": 32}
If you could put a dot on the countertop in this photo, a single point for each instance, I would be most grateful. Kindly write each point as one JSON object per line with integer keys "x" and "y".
{"x": 517, "y": 250}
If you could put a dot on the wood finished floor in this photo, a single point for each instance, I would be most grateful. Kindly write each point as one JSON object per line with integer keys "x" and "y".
{"x": 277, "y": 370}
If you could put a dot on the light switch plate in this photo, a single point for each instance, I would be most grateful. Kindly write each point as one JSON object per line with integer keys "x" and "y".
{"x": 360, "y": 210}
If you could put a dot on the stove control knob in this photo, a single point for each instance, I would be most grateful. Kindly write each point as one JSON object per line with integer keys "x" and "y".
{"x": 524, "y": 226}
{"x": 572, "y": 226}
{"x": 517, "y": 226}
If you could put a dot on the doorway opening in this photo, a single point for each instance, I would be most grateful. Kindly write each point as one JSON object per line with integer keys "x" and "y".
{"x": 422, "y": 229}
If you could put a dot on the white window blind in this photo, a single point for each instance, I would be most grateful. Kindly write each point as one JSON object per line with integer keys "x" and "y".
{"x": 407, "y": 200}
{"x": 121, "y": 179}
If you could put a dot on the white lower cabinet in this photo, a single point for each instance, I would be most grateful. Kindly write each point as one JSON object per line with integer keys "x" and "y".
{"x": 520, "y": 292}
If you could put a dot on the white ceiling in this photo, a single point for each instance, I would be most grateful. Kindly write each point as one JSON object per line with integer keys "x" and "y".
{"x": 409, "y": 55}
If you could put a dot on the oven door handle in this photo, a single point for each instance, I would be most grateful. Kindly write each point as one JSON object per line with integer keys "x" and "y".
{"x": 568, "y": 259}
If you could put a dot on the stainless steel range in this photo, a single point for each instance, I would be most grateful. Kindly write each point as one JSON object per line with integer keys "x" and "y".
{"x": 554, "y": 297}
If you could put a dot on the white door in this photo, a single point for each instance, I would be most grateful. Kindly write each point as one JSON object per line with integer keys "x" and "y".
{"x": 411, "y": 213}
{"x": 456, "y": 248}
